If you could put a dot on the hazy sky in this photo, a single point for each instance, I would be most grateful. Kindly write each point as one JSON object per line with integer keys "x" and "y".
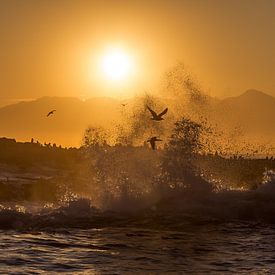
{"x": 49, "y": 47}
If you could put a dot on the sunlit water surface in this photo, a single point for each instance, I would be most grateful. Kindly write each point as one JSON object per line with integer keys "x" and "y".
{"x": 239, "y": 247}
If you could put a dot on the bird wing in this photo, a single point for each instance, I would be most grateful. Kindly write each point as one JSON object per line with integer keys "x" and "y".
{"x": 154, "y": 114}
{"x": 163, "y": 112}
{"x": 51, "y": 112}
{"x": 153, "y": 144}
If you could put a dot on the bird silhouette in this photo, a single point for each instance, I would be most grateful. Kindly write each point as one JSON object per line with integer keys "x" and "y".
{"x": 123, "y": 104}
{"x": 153, "y": 141}
{"x": 155, "y": 116}
{"x": 51, "y": 113}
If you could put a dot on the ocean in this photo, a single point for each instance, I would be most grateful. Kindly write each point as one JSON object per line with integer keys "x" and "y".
{"x": 227, "y": 232}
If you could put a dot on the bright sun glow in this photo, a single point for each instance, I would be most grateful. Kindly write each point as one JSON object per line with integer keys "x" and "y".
{"x": 116, "y": 65}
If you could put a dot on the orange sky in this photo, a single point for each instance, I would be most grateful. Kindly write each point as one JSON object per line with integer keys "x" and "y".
{"x": 47, "y": 47}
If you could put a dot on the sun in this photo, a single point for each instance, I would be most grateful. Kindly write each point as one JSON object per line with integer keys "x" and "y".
{"x": 116, "y": 65}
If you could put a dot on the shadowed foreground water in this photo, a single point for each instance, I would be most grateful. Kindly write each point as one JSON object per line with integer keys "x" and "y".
{"x": 239, "y": 247}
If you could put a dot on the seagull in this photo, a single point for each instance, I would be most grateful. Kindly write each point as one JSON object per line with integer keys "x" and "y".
{"x": 124, "y": 104}
{"x": 157, "y": 117}
{"x": 152, "y": 141}
{"x": 51, "y": 113}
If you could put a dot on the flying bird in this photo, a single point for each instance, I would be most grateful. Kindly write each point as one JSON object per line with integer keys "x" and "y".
{"x": 153, "y": 141}
{"x": 124, "y": 104}
{"x": 51, "y": 113}
{"x": 155, "y": 116}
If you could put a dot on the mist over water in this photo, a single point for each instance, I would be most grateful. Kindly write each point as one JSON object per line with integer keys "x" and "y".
{"x": 197, "y": 163}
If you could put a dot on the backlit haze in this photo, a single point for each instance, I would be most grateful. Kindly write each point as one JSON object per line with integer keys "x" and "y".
{"x": 51, "y": 48}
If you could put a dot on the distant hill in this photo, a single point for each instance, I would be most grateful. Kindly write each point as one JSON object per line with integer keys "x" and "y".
{"x": 26, "y": 120}
{"x": 253, "y": 111}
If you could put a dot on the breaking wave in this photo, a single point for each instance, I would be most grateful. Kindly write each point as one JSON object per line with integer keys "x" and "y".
{"x": 174, "y": 209}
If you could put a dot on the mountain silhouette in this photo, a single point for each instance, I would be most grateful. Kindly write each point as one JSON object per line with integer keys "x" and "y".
{"x": 253, "y": 110}
{"x": 26, "y": 120}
